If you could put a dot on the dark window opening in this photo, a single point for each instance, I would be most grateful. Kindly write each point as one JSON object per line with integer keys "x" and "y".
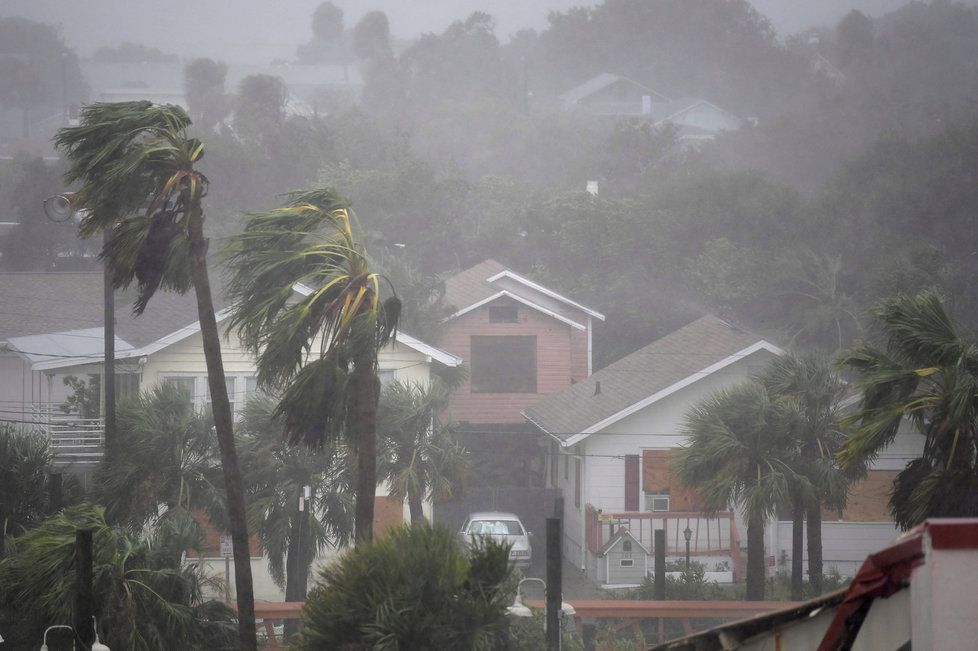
{"x": 504, "y": 364}
{"x": 503, "y": 313}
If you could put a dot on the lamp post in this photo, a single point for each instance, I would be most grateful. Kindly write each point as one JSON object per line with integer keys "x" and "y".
{"x": 687, "y": 533}
{"x": 96, "y": 645}
{"x": 519, "y": 609}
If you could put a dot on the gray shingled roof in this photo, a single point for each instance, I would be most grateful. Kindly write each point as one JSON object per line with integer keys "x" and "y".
{"x": 635, "y": 377}
{"x": 470, "y": 286}
{"x": 45, "y": 303}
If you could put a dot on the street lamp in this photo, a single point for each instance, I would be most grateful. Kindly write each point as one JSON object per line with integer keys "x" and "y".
{"x": 519, "y": 609}
{"x": 96, "y": 645}
{"x": 687, "y": 533}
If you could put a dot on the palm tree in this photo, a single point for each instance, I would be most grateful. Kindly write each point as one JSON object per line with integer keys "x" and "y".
{"x": 826, "y": 314}
{"x": 25, "y": 459}
{"x": 420, "y": 457}
{"x": 168, "y": 470}
{"x": 414, "y": 589}
{"x": 923, "y": 370}
{"x": 738, "y": 452}
{"x": 277, "y": 473}
{"x": 330, "y": 386}
{"x": 811, "y": 380}
{"x": 145, "y": 599}
{"x": 135, "y": 166}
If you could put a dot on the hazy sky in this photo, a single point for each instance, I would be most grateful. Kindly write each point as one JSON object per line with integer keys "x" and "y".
{"x": 259, "y": 30}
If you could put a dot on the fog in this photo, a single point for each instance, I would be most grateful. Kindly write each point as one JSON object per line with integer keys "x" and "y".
{"x": 269, "y": 30}
{"x": 647, "y": 256}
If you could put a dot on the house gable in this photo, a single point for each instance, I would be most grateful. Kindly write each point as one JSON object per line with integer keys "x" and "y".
{"x": 701, "y": 349}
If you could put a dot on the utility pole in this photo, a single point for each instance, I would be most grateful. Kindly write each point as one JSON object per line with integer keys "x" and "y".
{"x": 108, "y": 370}
{"x": 84, "y": 593}
{"x": 554, "y": 584}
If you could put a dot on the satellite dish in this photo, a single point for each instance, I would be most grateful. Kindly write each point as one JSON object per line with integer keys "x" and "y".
{"x": 58, "y": 208}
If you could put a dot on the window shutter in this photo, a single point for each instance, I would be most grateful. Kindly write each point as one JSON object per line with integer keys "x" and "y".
{"x": 631, "y": 482}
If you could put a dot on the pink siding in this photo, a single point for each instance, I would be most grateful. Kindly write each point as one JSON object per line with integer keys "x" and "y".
{"x": 561, "y": 356}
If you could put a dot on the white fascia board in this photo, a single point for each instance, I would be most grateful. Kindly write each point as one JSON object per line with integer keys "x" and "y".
{"x": 300, "y": 288}
{"x": 669, "y": 390}
{"x": 436, "y": 354}
{"x": 474, "y": 306}
{"x": 518, "y": 299}
{"x": 543, "y": 290}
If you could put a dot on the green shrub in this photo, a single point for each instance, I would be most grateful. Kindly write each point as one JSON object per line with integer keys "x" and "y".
{"x": 414, "y": 589}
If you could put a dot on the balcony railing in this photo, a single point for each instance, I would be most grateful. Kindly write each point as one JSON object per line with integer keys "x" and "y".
{"x": 72, "y": 438}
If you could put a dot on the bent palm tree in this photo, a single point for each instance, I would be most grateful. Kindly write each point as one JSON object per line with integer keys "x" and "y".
{"x": 323, "y": 347}
{"x": 738, "y": 452}
{"x": 420, "y": 456}
{"x": 135, "y": 164}
{"x": 924, "y": 371}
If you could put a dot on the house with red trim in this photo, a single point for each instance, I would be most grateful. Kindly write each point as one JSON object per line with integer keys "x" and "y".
{"x": 521, "y": 342}
{"x": 917, "y": 593}
{"x": 610, "y": 444}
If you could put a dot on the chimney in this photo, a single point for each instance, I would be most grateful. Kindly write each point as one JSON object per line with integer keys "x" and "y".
{"x": 597, "y": 387}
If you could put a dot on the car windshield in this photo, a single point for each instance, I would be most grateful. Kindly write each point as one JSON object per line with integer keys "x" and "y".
{"x": 495, "y": 528}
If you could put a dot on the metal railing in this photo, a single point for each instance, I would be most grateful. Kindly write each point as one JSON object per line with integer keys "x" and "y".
{"x": 72, "y": 438}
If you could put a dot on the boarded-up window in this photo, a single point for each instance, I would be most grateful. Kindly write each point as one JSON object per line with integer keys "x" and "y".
{"x": 869, "y": 498}
{"x": 659, "y": 478}
{"x": 577, "y": 483}
{"x": 631, "y": 482}
{"x": 388, "y": 513}
{"x": 504, "y": 364}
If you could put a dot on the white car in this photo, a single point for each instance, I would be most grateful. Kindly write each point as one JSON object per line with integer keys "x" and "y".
{"x": 504, "y": 527}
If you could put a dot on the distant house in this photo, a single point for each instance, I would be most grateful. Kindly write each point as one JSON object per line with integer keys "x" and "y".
{"x": 522, "y": 342}
{"x": 51, "y": 328}
{"x": 609, "y": 95}
{"x": 612, "y": 440}
{"x": 613, "y": 96}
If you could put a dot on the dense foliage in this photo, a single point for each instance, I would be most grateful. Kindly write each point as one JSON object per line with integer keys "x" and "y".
{"x": 415, "y": 588}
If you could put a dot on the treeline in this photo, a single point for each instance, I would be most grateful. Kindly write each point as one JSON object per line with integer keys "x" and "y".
{"x": 855, "y": 183}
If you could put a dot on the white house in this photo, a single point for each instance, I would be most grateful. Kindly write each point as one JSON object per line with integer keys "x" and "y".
{"x": 611, "y": 438}
{"x": 51, "y": 328}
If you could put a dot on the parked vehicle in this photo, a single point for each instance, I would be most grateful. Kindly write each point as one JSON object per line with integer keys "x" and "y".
{"x": 500, "y": 526}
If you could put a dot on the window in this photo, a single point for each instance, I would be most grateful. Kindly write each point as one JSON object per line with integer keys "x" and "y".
{"x": 657, "y": 502}
{"x": 504, "y": 364}
{"x": 184, "y": 384}
{"x": 251, "y": 388}
{"x": 566, "y": 467}
{"x": 229, "y": 386}
{"x": 386, "y": 376}
{"x": 126, "y": 386}
{"x": 554, "y": 460}
{"x": 505, "y": 313}
{"x": 626, "y": 562}
{"x": 626, "y": 547}
{"x": 495, "y": 528}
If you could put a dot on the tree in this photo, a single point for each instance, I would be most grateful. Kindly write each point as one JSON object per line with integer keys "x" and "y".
{"x": 739, "y": 452}
{"x": 37, "y": 70}
{"x": 311, "y": 239}
{"x": 203, "y": 83}
{"x": 420, "y": 457}
{"x": 25, "y": 459}
{"x": 36, "y": 243}
{"x": 168, "y": 469}
{"x": 327, "y": 35}
{"x": 277, "y": 472}
{"x": 123, "y": 155}
{"x": 414, "y": 589}
{"x": 919, "y": 368}
{"x": 145, "y": 599}
{"x": 812, "y": 382}
{"x": 260, "y": 107}
{"x": 372, "y": 37}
